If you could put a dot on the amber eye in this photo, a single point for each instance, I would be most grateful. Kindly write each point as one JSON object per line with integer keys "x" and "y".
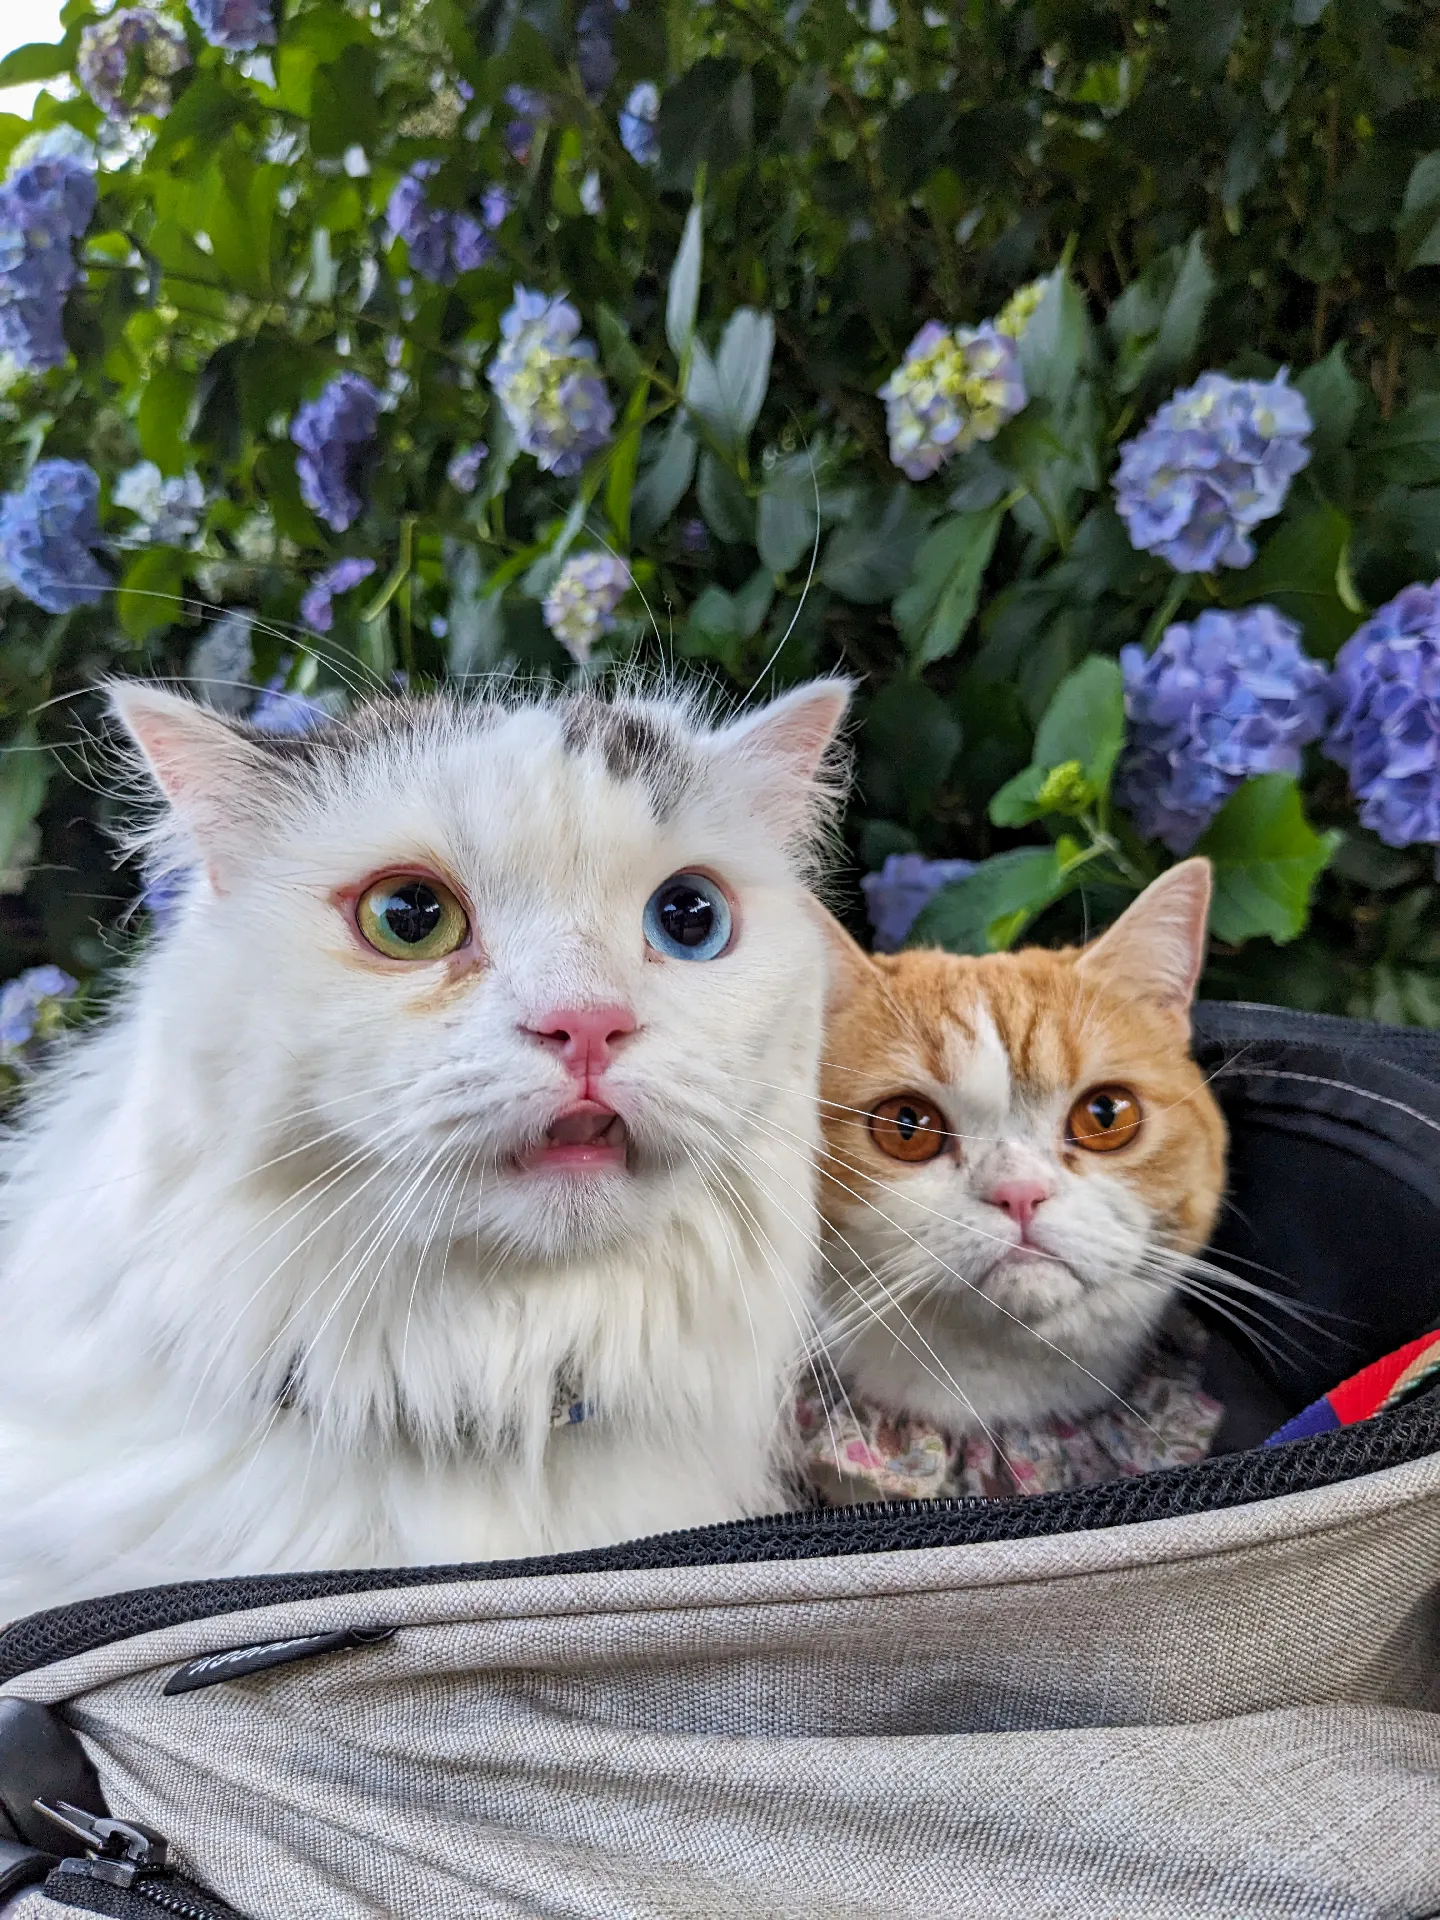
{"x": 907, "y": 1126}
{"x": 1103, "y": 1119}
{"x": 409, "y": 916}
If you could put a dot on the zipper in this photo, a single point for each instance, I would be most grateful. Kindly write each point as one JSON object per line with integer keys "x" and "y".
{"x": 129, "y": 1855}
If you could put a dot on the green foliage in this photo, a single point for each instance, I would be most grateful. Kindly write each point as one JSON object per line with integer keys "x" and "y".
{"x": 1238, "y": 187}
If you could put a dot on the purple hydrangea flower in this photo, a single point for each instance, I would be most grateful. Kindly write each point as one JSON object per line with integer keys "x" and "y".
{"x": 581, "y": 604}
{"x": 548, "y": 383}
{"x": 442, "y": 243}
{"x": 47, "y": 530}
{"x": 1225, "y": 698}
{"x": 594, "y": 54}
{"x": 638, "y": 119}
{"x": 694, "y": 537}
{"x": 276, "y": 711}
{"x": 127, "y": 62}
{"x": 237, "y": 25}
{"x": 30, "y": 1007}
{"x": 530, "y": 109}
{"x": 45, "y": 205}
{"x": 1386, "y": 726}
{"x": 1212, "y": 463}
{"x": 895, "y": 895}
{"x": 951, "y": 389}
{"x": 317, "y": 608}
{"x": 335, "y": 435}
{"x": 463, "y": 472}
{"x": 168, "y": 511}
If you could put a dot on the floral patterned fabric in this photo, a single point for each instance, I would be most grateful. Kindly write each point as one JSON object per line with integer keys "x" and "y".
{"x": 856, "y": 1452}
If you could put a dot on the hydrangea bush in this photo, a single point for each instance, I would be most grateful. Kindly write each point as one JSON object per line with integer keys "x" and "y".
{"x": 1068, "y": 375}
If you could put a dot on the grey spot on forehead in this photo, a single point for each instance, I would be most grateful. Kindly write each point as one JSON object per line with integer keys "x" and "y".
{"x": 634, "y": 745}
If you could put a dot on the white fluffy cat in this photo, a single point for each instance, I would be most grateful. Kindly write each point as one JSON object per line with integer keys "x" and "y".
{"x": 440, "y": 1188}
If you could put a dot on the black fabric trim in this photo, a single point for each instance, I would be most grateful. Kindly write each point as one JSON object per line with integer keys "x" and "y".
{"x": 1236, "y": 1479}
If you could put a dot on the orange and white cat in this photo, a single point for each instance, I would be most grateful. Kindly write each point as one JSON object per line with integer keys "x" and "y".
{"x": 1022, "y": 1160}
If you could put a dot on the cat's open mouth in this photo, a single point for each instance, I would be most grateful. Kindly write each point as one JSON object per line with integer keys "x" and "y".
{"x": 585, "y": 1136}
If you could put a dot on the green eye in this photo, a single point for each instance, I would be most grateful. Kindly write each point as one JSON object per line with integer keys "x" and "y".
{"x": 406, "y": 917}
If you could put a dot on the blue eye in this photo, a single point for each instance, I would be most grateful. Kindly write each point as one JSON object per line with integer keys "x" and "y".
{"x": 688, "y": 918}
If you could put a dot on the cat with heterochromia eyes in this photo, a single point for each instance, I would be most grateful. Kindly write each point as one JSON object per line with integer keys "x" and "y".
{"x": 442, "y": 1185}
{"x": 1022, "y": 1163}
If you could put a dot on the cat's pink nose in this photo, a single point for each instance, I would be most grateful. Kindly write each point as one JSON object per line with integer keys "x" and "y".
{"x": 584, "y": 1037}
{"x": 1019, "y": 1198}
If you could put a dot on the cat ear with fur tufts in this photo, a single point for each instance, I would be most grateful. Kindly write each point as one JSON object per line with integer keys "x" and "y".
{"x": 1156, "y": 949}
{"x": 783, "y": 748}
{"x": 202, "y": 766}
{"x": 849, "y": 969}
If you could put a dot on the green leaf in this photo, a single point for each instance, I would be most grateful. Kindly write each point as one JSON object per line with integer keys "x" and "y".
{"x": 476, "y": 640}
{"x": 1085, "y": 722}
{"x": 1184, "y": 314}
{"x": 161, "y": 416}
{"x": 787, "y": 515}
{"x": 663, "y": 485}
{"x": 1056, "y": 342}
{"x": 1016, "y": 804}
{"x": 909, "y": 743}
{"x": 935, "y": 610}
{"x": 1418, "y": 225}
{"x": 37, "y": 60}
{"x": 729, "y": 511}
{"x": 989, "y": 910}
{"x": 149, "y": 596}
{"x": 1333, "y": 396}
{"x": 1267, "y": 858}
{"x": 24, "y": 774}
{"x": 683, "y": 299}
{"x": 1157, "y": 320}
{"x": 197, "y": 124}
{"x": 1303, "y": 570}
{"x": 869, "y": 557}
{"x": 728, "y": 392}
{"x": 624, "y": 460}
{"x": 706, "y": 119}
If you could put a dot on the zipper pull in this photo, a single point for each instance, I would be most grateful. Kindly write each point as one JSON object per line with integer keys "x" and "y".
{"x": 120, "y": 1850}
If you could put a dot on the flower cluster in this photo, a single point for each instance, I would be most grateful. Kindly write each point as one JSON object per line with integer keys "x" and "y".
{"x": 168, "y": 511}
{"x": 594, "y": 54}
{"x": 548, "y": 383}
{"x": 951, "y": 389}
{"x": 47, "y": 530}
{"x": 128, "y": 60}
{"x": 45, "y": 205}
{"x": 1018, "y": 311}
{"x": 1212, "y": 463}
{"x": 31, "y": 1009}
{"x": 530, "y": 110}
{"x": 237, "y": 25}
{"x": 335, "y": 435}
{"x": 581, "y": 604}
{"x": 276, "y": 711}
{"x": 637, "y": 120}
{"x": 463, "y": 469}
{"x": 1386, "y": 726}
{"x": 317, "y": 609}
{"x": 895, "y": 895}
{"x": 443, "y": 243}
{"x": 1225, "y": 698}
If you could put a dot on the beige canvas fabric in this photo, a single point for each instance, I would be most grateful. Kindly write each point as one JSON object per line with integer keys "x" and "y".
{"x": 1235, "y": 1714}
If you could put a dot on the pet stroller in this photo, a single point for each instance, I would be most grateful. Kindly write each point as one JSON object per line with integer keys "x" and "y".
{"x": 1210, "y": 1690}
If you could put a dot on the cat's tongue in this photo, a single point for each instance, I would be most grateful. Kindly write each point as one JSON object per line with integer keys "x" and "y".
{"x": 587, "y": 1136}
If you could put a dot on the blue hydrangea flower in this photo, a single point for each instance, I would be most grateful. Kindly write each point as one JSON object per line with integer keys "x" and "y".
{"x": 45, "y": 205}
{"x": 335, "y": 435}
{"x": 548, "y": 383}
{"x": 317, "y": 608}
{"x": 895, "y": 895}
{"x": 581, "y": 604}
{"x": 127, "y": 62}
{"x": 30, "y": 1008}
{"x": 1212, "y": 463}
{"x": 168, "y": 511}
{"x": 530, "y": 110}
{"x": 47, "y": 530}
{"x": 951, "y": 389}
{"x": 442, "y": 243}
{"x": 276, "y": 711}
{"x": 638, "y": 119}
{"x": 1386, "y": 726}
{"x": 1227, "y": 697}
{"x": 594, "y": 54}
{"x": 694, "y": 537}
{"x": 237, "y": 25}
{"x": 463, "y": 472}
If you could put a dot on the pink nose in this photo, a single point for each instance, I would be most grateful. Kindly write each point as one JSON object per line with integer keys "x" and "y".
{"x": 584, "y": 1037}
{"x": 1019, "y": 1198}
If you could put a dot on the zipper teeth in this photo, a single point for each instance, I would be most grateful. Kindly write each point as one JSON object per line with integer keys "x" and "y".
{"x": 174, "y": 1903}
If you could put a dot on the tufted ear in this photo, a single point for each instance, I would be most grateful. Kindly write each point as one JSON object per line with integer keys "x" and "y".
{"x": 848, "y": 966}
{"x": 210, "y": 775}
{"x": 782, "y": 749}
{"x": 1156, "y": 949}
